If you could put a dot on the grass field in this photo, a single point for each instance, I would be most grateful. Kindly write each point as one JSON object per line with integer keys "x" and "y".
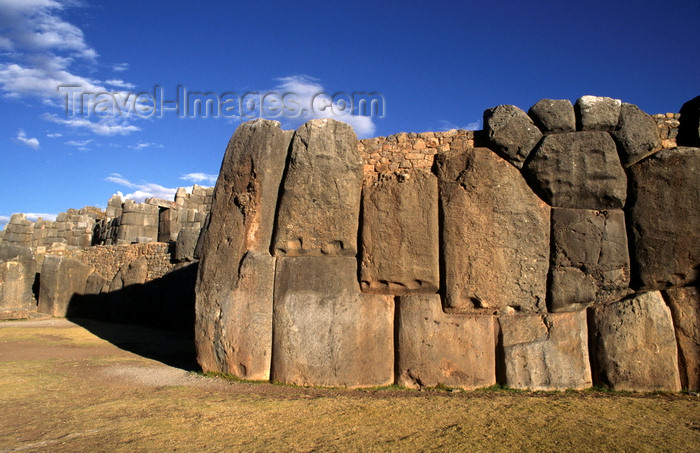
{"x": 103, "y": 387}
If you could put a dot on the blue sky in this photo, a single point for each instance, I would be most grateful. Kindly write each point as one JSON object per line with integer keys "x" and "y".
{"x": 436, "y": 65}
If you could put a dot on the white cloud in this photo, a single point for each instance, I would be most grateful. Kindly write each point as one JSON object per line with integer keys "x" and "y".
{"x": 305, "y": 91}
{"x": 199, "y": 178}
{"x": 40, "y": 50}
{"x": 31, "y": 142}
{"x": 4, "y": 220}
{"x": 106, "y": 126}
{"x": 141, "y": 145}
{"x": 120, "y": 67}
{"x": 142, "y": 190}
{"x": 448, "y": 125}
{"x": 79, "y": 143}
{"x": 54, "y": 135}
{"x": 120, "y": 84}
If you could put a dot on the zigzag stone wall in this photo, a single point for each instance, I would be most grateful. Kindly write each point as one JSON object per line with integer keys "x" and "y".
{"x": 555, "y": 249}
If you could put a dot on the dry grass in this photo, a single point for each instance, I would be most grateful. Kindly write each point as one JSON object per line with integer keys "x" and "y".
{"x": 65, "y": 389}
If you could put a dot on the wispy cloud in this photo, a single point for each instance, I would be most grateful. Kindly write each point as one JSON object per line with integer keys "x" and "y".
{"x": 40, "y": 50}
{"x": 142, "y": 145}
{"x": 142, "y": 190}
{"x": 120, "y": 84}
{"x": 200, "y": 178}
{"x": 120, "y": 67}
{"x": 79, "y": 143}
{"x": 446, "y": 125}
{"x": 31, "y": 142}
{"x": 54, "y": 135}
{"x": 107, "y": 126}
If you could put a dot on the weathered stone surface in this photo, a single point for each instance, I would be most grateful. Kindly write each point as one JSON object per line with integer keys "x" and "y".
{"x": 242, "y": 337}
{"x": 689, "y": 129}
{"x": 634, "y": 346}
{"x": 590, "y": 262}
{"x": 511, "y": 133}
{"x": 685, "y": 311}
{"x": 320, "y": 203}
{"x": 241, "y": 219}
{"x": 95, "y": 284}
{"x": 636, "y": 134}
{"x": 16, "y": 298}
{"x": 663, "y": 218}
{"x": 594, "y": 113}
{"x": 545, "y": 352}
{"x": 495, "y": 237}
{"x": 61, "y": 279}
{"x": 435, "y": 348}
{"x": 553, "y": 115}
{"x": 186, "y": 244}
{"x": 400, "y": 235}
{"x": 325, "y": 331}
{"x": 578, "y": 170}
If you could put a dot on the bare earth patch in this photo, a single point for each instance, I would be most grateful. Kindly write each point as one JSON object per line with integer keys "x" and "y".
{"x": 89, "y": 386}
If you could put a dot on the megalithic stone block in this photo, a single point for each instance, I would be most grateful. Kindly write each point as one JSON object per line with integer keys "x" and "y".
{"x": 435, "y": 348}
{"x": 596, "y": 113}
{"x": 241, "y": 220}
{"x": 238, "y": 338}
{"x": 685, "y": 311}
{"x": 637, "y": 135}
{"x": 325, "y": 331}
{"x": 320, "y": 202}
{"x": 578, "y": 170}
{"x": 495, "y": 235}
{"x": 545, "y": 352}
{"x": 16, "y": 298}
{"x": 663, "y": 218}
{"x": 61, "y": 279}
{"x": 590, "y": 261}
{"x": 511, "y": 133}
{"x": 400, "y": 234}
{"x": 634, "y": 345}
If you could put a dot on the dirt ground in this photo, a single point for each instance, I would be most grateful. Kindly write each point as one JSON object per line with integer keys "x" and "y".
{"x": 90, "y": 386}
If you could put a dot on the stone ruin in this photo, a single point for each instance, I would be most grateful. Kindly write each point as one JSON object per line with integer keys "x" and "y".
{"x": 557, "y": 248}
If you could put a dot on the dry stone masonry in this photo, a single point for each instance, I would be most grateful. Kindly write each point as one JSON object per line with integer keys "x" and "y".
{"x": 557, "y": 248}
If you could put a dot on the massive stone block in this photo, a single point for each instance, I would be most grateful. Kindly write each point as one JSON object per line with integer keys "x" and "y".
{"x": 636, "y": 134}
{"x": 16, "y": 297}
{"x": 325, "y": 331}
{"x": 61, "y": 279}
{"x": 435, "y": 348}
{"x": 545, "y": 352}
{"x": 689, "y": 128}
{"x": 495, "y": 237}
{"x": 590, "y": 262}
{"x": 400, "y": 235}
{"x": 511, "y": 133}
{"x": 634, "y": 346}
{"x": 578, "y": 170}
{"x": 553, "y": 115}
{"x": 320, "y": 202}
{"x": 594, "y": 113}
{"x": 242, "y": 331}
{"x": 663, "y": 219}
{"x": 685, "y": 311}
{"x": 241, "y": 220}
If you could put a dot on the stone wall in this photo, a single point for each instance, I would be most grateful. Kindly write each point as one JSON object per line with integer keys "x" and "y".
{"x": 542, "y": 252}
{"x": 557, "y": 248}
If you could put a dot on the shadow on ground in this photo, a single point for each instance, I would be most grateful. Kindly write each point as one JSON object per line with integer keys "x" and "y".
{"x": 154, "y": 320}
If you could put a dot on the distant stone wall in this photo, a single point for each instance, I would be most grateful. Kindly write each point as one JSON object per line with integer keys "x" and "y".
{"x": 107, "y": 260}
{"x": 406, "y": 151}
